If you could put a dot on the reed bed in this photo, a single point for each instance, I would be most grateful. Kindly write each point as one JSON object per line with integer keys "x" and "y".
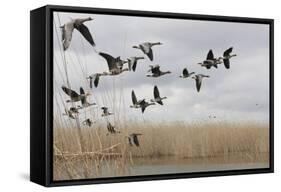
{"x": 92, "y": 150}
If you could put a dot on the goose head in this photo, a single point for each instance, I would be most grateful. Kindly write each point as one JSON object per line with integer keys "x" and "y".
{"x": 158, "y": 43}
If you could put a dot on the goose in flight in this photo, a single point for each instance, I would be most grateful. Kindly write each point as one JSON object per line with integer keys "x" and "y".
{"x": 84, "y": 101}
{"x": 115, "y": 65}
{"x": 156, "y": 72}
{"x": 133, "y": 139}
{"x": 186, "y": 74}
{"x": 146, "y": 48}
{"x": 75, "y": 97}
{"x": 226, "y": 56}
{"x": 132, "y": 62}
{"x": 139, "y": 103}
{"x": 105, "y": 112}
{"x": 198, "y": 79}
{"x": 70, "y": 113}
{"x": 157, "y": 97}
{"x": 78, "y": 24}
{"x": 111, "y": 129}
{"x": 96, "y": 78}
{"x": 88, "y": 122}
{"x": 211, "y": 61}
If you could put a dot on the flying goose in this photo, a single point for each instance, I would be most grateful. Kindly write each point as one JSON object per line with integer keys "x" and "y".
{"x": 84, "y": 101}
{"x": 115, "y": 65}
{"x": 211, "y": 61}
{"x": 155, "y": 70}
{"x": 198, "y": 78}
{"x": 111, "y": 129}
{"x": 139, "y": 103}
{"x": 132, "y": 62}
{"x": 105, "y": 112}
{"x": 133, "y": 139}
{"x": 226, "y": 56}
{"x": 186, "y": 74}
{"x": 70, "y": 113}
{"x": 212, "y": 117}
{"x": 88, "y": 122}
{"x": 96, "y": 78}
{"x": 147, "y": 48}
{"x": 157, "y": 97}
{"x": 78, "y": 24}
{"x": 75, "y": 97}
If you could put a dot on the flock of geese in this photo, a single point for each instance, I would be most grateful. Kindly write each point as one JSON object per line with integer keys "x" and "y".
{"x": 116, "y": 67}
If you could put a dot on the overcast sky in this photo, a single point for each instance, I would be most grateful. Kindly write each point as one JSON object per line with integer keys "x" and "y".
{"x": 240, "y": 93}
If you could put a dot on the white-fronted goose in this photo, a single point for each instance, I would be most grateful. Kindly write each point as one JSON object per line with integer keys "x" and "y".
{"x": 105, "y": 112}
{"x": 67, "y": 30}
{"x": 115, "y": 65}
{"x": 147, "y": 48}
{"x": 157, "y": 98}
{"x": 198, "y": 79}
{"x": 211, "y": 61}
{"x": 71, "y": 112}
{"x": 186, "y": 74}
{"x": 156, "y": 72}
{"x": 87, "y": 122}
{"x": 139, "y": 103}
{"x": 133, "y": 139}
{"x": 96, "y": 78}
{"x": 226, "y": 56}
{"x": 111, "y": 129}
{"x": 132, "y": 62}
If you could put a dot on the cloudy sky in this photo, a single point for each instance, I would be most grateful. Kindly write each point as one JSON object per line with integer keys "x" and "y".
{"x": 240, "y": 93}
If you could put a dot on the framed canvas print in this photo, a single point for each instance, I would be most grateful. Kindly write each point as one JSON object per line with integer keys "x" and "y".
{"x": 122, "y": 95}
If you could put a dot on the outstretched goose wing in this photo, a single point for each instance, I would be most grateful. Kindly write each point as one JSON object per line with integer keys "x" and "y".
{"x": 83, "y": 29}
{"x": 96, "y": 82}
{"x": 136, "y": 140}
{"x": 198, "y": 83}
{"x": 67, "y": 30}
{"x": 130, "y": 141}
{"x": 134, "y": 65}
{"x": 156, "y": 92}
{"x": 146, "y": 48}
{"x": 91, "y": 83}
{"x": 110, "y": 60}
{"x": 227, "y": 52}
{"x": 69, "y": 92}
{"x": 134, "y": 98}
{"x": 210, "y": 55}
{"x": 143, "y": 109}
{"x": 185, "y": 72}
{"x": 150, "y": 54}
{"x": 226, "y": 63}
{"x": 83, "y": 99}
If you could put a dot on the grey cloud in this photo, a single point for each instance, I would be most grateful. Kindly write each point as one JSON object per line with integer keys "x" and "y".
{"x": 232, "y": 94}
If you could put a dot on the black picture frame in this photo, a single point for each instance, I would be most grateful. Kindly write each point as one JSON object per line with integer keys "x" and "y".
{"x": 41, "y": 66}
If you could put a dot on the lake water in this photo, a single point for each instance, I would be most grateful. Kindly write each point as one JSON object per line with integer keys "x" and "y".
{"x": 165, "y": 165}
{"x": 168, "y": 165}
